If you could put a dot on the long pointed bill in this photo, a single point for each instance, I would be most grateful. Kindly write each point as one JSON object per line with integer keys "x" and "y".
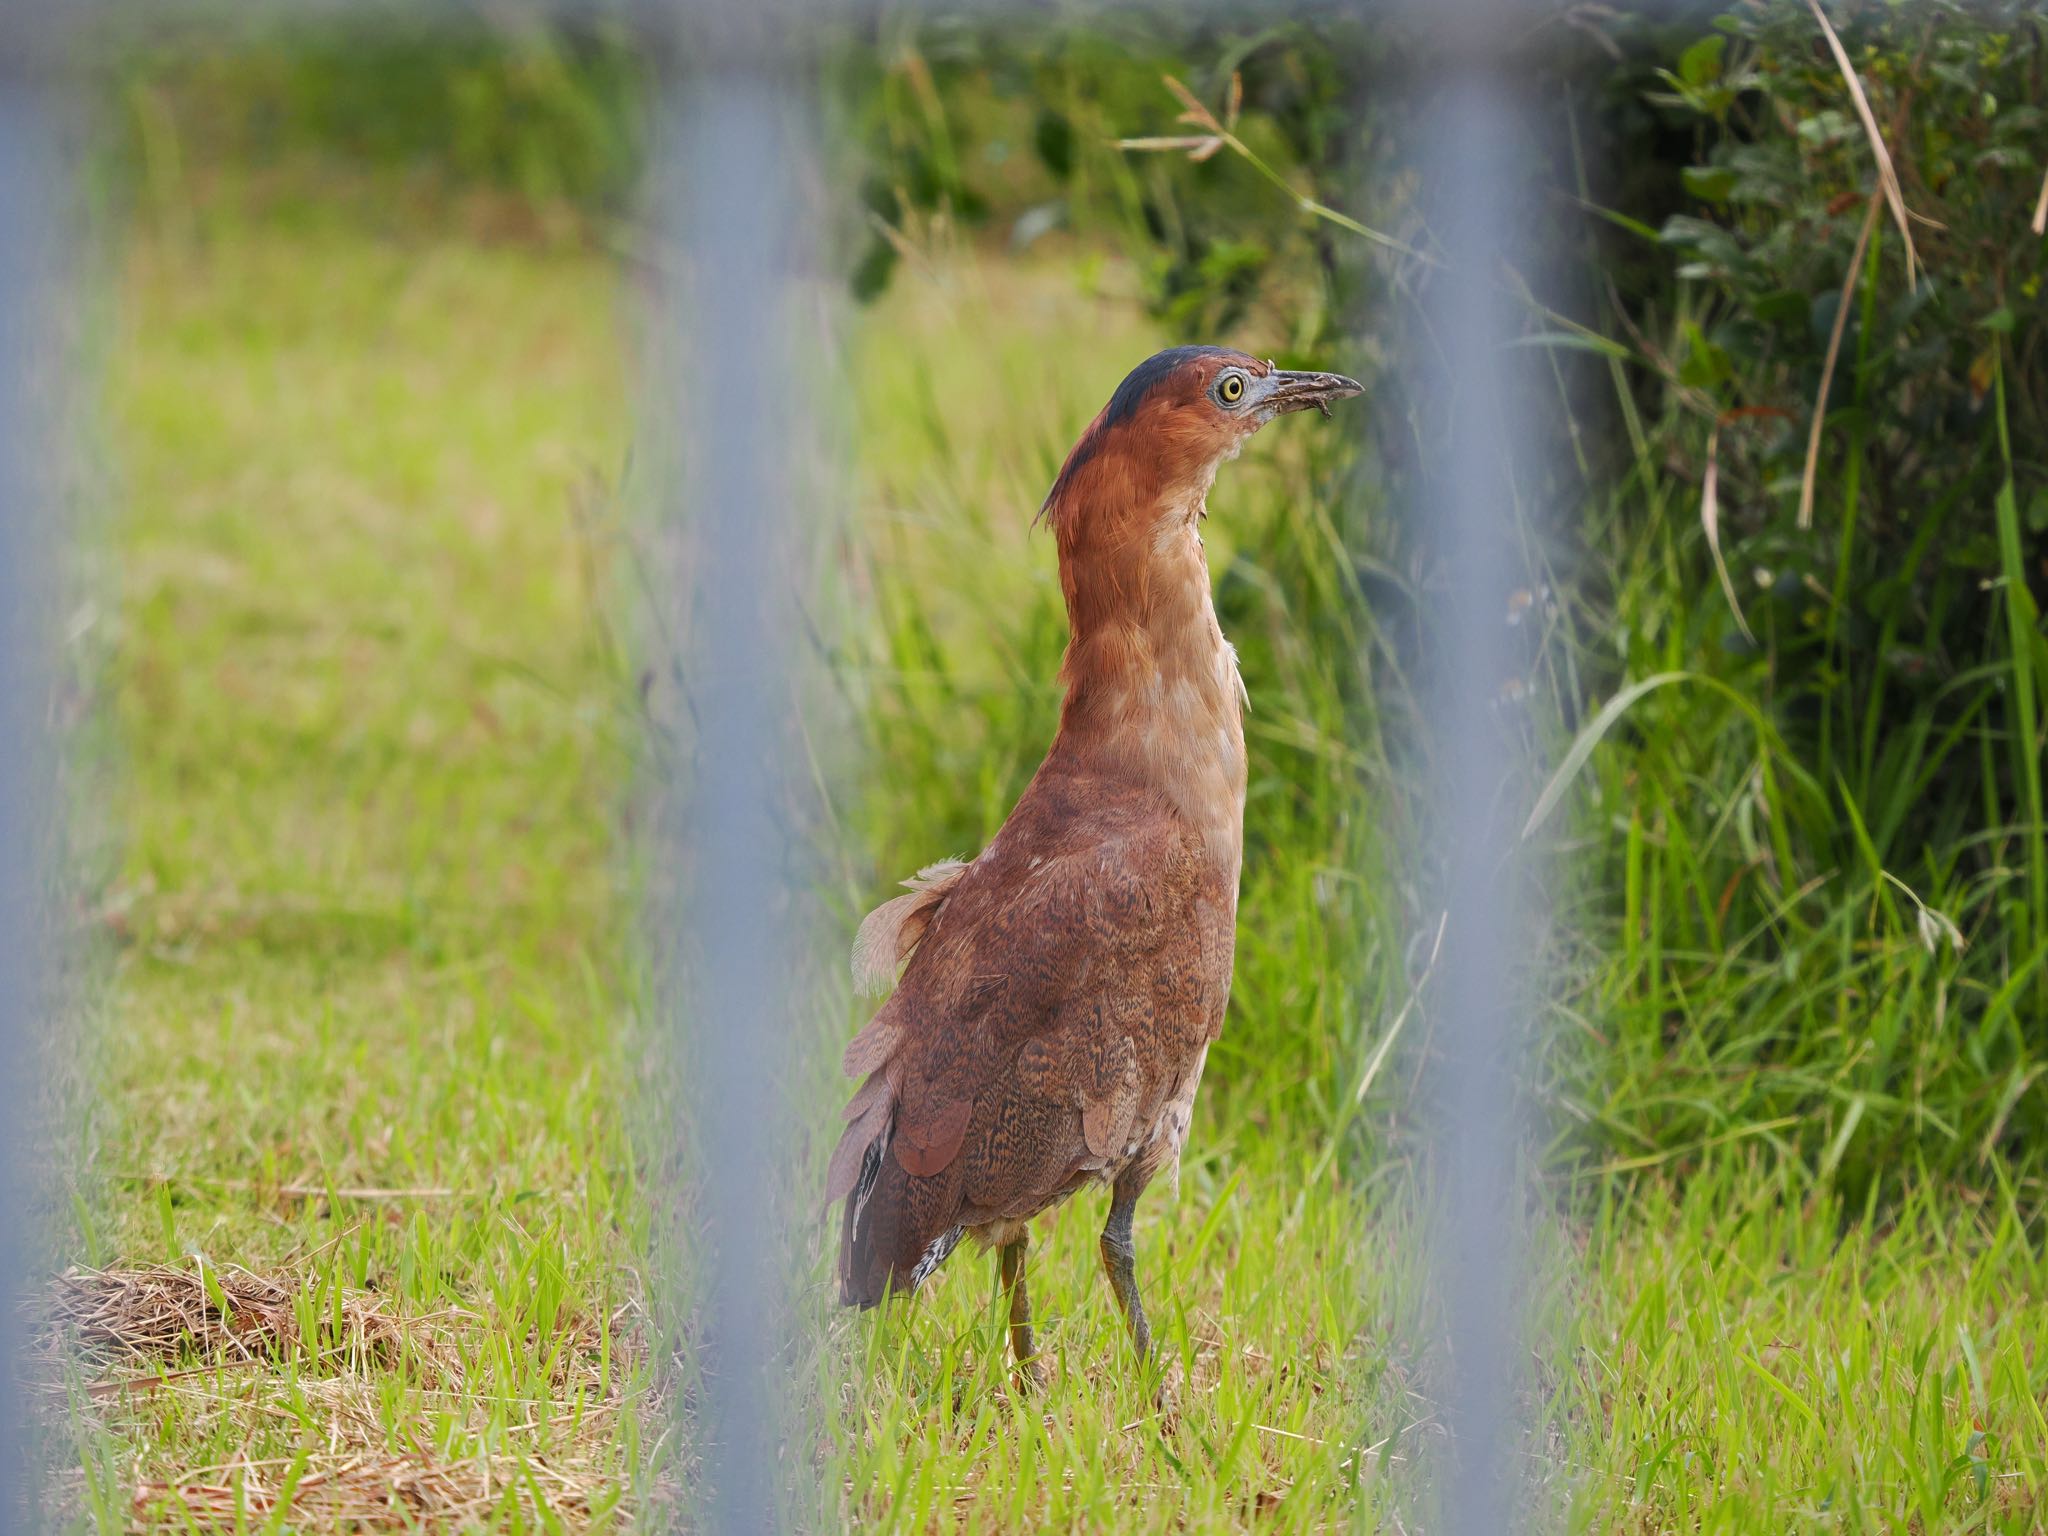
{"x": 1289, "y": 391}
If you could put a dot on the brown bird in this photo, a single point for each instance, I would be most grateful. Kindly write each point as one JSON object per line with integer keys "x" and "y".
{"x": 1058, "y": 994}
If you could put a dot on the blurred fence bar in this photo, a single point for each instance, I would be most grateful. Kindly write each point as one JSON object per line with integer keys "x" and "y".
{"x": 1475, "y": 143}
{"x": 29, "y": 230}
{"x": 737, "y": 224}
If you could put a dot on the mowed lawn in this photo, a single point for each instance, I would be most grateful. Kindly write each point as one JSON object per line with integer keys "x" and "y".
{"x": 362, "y": 1032}
{"x": 365, "y": 1189}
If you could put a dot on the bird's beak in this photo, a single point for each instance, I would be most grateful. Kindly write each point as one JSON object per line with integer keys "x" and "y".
{"x": 1288, "y": 391}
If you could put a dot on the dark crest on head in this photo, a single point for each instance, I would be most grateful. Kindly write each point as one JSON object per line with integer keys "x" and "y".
{"x": 1130, "y": 394}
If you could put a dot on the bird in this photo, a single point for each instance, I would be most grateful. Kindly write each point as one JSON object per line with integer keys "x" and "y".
{"x": 1054, "y": 998}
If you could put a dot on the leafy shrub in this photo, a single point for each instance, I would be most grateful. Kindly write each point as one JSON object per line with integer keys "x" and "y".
{"x": 554, "y": 112}
{"x": 1896, "y": 592}
{"x": 1889, "y": 627}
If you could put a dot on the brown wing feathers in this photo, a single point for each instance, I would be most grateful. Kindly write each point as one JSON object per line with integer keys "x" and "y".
{"x": 1007, "y": 1063}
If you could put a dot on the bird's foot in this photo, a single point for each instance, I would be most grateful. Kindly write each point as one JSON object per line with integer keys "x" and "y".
{"x": 1032, "y": 1373}
{"x": 1165, "y": 1380}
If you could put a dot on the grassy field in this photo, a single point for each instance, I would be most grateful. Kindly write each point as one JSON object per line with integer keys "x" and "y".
{"x": 363, "y": 1037}
{"x": 363, "y": 1232}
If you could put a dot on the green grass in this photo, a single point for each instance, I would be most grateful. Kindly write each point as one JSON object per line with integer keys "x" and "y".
{"x": 372, "y": 933}
{"x": 366, "y": 933}
{"x": 1749, "y": 1355}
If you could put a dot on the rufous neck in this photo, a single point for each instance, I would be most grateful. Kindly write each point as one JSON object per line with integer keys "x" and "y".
{"x": 1152, "y": 688}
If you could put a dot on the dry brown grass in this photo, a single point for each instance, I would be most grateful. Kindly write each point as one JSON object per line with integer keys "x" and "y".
{"x": 358, "y": 1491}
{"x": 227, "y": 1316}
{"x": 303, "y": 1393}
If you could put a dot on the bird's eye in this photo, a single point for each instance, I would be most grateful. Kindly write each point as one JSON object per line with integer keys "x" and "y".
{"x": 1230, "y": 389}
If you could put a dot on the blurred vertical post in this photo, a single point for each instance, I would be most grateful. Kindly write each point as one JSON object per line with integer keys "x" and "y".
{"x": 731, "y": 146}
{"x": 1474, "y": 134}
{"x": 30, "y": 230}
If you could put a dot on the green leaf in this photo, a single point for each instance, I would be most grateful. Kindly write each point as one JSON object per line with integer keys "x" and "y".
{"x": 1705, "y": 364}
{"x": 211, "y": 1285}
{"x": 1785, "y": 307}
{"x": 2037, "y": 511}
{"x": 870, "y": 276}
{"x": 1623, "y": 221}
{"x": 1833, "y": 1158}
{"x": 1791, "y": 1398}
{"x": 1701, "y": 63}
{"x": 1709, "y": 183}
{"x": 1053, "y": 137}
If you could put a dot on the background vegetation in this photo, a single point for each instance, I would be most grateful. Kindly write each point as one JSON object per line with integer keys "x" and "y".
{"x": 1787, "y": 1266}
{"x": 1862, "y": 698}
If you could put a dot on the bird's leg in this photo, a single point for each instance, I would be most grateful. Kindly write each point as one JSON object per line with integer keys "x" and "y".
{"x": 1011, "y": 1259}
{"x": 1120, "y": 1260}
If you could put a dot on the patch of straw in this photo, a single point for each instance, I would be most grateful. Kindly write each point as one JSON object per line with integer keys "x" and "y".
{"x": 225, "y": 1315}
{"x": 227, "y": 1336}
{"x": 361, "y": 1491}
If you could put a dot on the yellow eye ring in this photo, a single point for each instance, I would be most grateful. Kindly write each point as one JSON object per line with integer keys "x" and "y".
{"x": 1231, "y": 390}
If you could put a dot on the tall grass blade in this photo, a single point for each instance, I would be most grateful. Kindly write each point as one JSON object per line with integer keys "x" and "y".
{"x": 2023, "y": 636}
{"x": 1827, "y": 367}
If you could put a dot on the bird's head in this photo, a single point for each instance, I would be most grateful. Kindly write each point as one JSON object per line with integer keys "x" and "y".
{"x": 1153, "y": 451}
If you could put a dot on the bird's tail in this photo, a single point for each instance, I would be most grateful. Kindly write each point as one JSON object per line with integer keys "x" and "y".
{"x": 864, "y": 1272}
{"x": 895, "y": 1229}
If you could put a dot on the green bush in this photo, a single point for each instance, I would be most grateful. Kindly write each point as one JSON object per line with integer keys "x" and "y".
{"x": 1796, "y": 897}
{"x": 553, "y": 112}
{"x": 1898, "y": 591}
